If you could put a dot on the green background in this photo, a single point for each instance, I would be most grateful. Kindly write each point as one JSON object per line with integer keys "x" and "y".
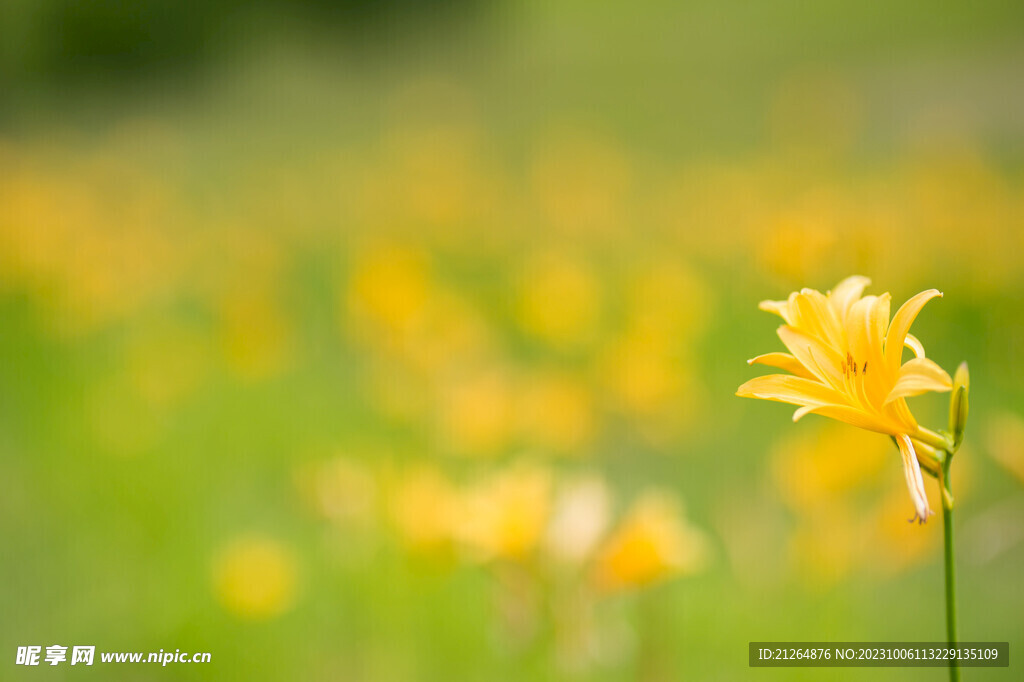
{"x": 191, "y": 201}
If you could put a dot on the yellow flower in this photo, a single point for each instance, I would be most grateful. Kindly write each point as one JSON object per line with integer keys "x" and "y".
{"x": 424, "y": 507}
{"x": 504, "y": 516}
{"x": 256, "y": 577}
{"x": 846, "y": 362}
{"x": 652, "y": 543}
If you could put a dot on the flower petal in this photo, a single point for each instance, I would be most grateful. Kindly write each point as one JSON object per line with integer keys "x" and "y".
{"x": 789, "y": 389}
{"x": 913, "y": 344}
{"x": 900, "y": 325}
{"x": 850, "y": 415}
{"x": 780, "y": 308}
{"x": 918, "y": 376}
{"x": 782, "y": 361}
{"x": 912, "y": 472}
{"x": 823, "y": 361}
{"x": 812, "y": 313}
{"x": 900, "y": 413}
{"x": 846, "y": 293}
{"x": 865, "y": 327}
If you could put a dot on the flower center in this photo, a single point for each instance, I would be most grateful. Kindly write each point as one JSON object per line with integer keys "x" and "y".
{"x": 850, "y": 368}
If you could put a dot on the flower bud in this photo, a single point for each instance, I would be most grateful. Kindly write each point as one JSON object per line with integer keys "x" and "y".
{"x": 958, "y": 405}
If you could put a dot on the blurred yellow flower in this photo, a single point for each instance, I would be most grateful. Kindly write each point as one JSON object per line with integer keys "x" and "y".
{"x": 476, "y": 413}
{"x": 643, "y": 373}
{"x": 556, "y": 413}
{"x": 832, "y": 480}
{"x": 424, "y": 507}
{"x": 815, "y": 470}
{"x": 796, "y": 243}
{"x": 256, "y": 335}
{"x": 436, "y": 174}
{"x": 823, "y": 549}
{"x": 895, "y": 547}
{"x": 450, "y": 334}
{"x": 559, "y": 300}
{"x": 89, "y": 255}
{"x": 846, "y": 362}
{"x": 255, "y": 577}
{"x": 505, "y": 515}
{"x": 667, "y": 300}
{"x": 389, "y": 288}
{"x": 1005, "y": 440}
{"x": 651, "y": 380}
{"x": 652, "y": 543}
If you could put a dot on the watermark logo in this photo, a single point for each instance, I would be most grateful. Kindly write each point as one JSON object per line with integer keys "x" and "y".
{"x": 28, "y": 655}
{"x": 86, "y": 655}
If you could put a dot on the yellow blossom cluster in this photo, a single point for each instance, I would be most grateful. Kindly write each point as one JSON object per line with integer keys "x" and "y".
{"x": 524, "y": 512}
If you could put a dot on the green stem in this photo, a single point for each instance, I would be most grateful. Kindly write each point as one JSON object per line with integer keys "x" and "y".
{"x": 947, "y": 528}
{"x": 936, "y": 440}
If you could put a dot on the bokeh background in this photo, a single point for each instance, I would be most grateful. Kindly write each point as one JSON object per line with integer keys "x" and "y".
{"x": 394, "y": 341}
